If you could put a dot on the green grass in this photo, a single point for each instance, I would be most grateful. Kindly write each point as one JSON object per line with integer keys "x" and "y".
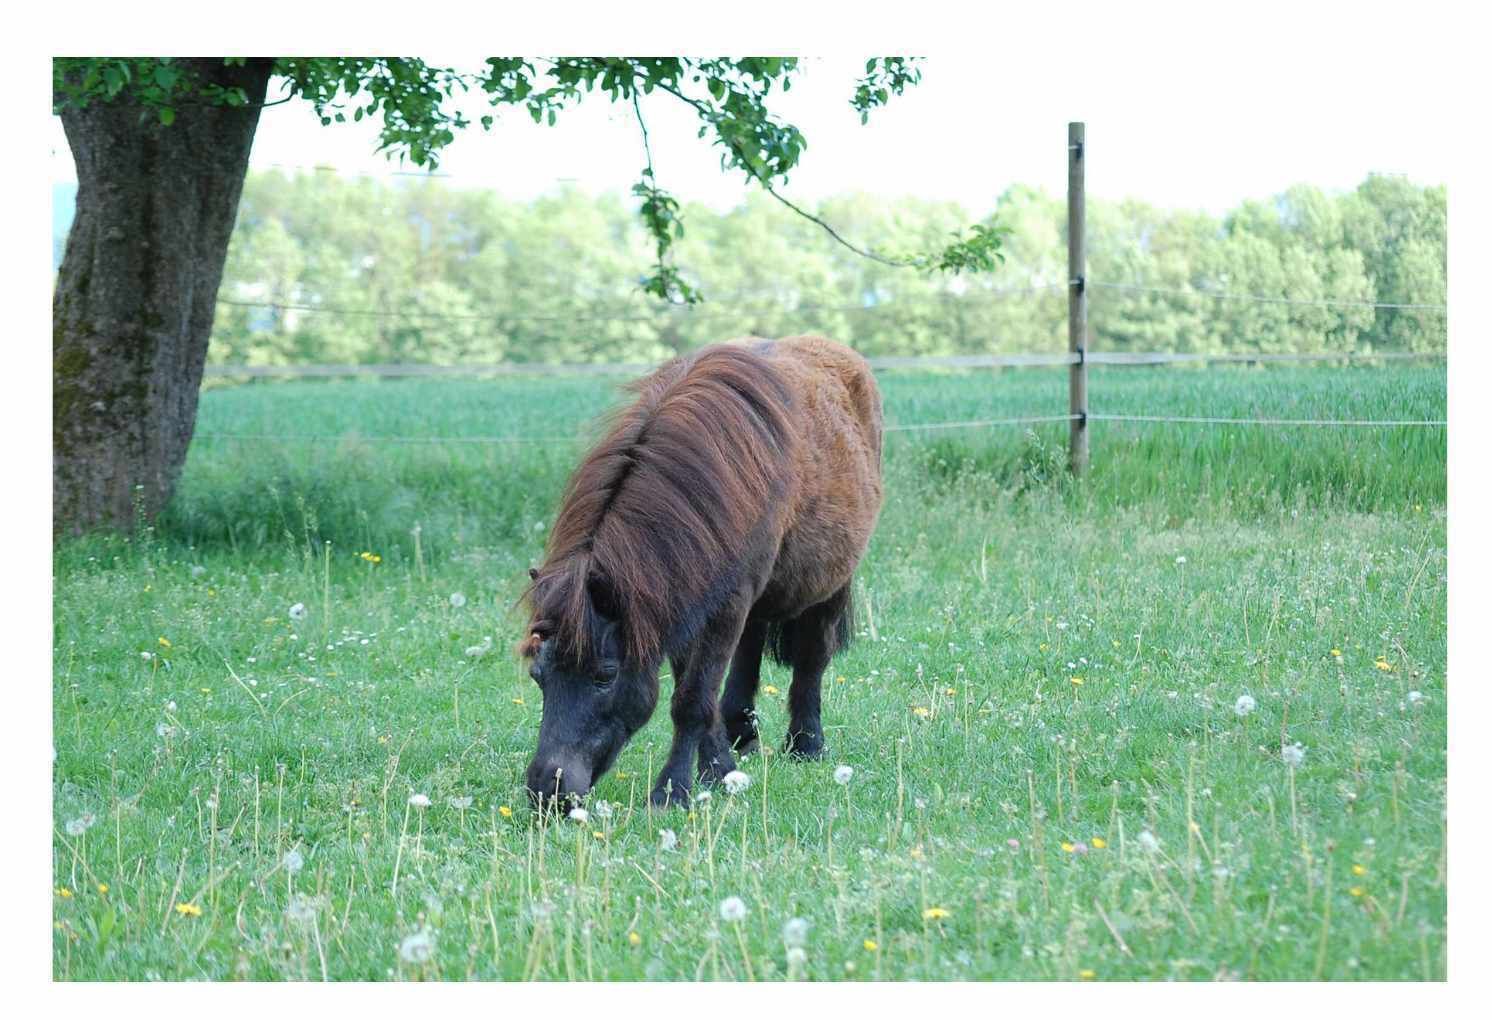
{"x": 1194, "y": 565}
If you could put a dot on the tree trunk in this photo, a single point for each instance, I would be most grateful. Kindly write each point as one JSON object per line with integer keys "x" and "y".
{"x": 133, "y": 306}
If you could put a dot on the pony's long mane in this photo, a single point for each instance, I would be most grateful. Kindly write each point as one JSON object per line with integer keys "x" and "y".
{"x": 654, "y": 521}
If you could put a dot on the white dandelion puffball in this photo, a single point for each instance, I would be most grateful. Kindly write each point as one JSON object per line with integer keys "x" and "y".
{"x": 417, "y": 948}
{"x": 1293, "y": 755}
{"x": 538, "y": 525}
{"x": 732, "y": 909}
{"x": 1244, "y": 705}
{"x": 198, "y": 571}
{"x": 477, "y": 651}
{"x": 1147, "y": 841}
{"x": 736, "y": 781}
{"x": 419, "y": 800}
{"x": 843, "y": 775}
{"x": 459, "y": 803}
{"x": 667, "y": 839}
{"x": 1181, "y": 559}
{"x": 302, "y": 909}
{"x": 457, "y": 600}
{"x": 795, "y": 932}
{"x": 1414, "y": 697}
{"x": 75, "y": 827}
{"x": 580, "y": 815}
{"x": 294, "y": 861}
{"x": 298, "y": 611}
{"x": 702, "y": 797}
{"x": 603, "y": 809}
{"x": 796, "y": 957}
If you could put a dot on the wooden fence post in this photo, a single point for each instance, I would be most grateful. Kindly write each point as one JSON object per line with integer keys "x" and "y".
{"x": 1077, "y": 301}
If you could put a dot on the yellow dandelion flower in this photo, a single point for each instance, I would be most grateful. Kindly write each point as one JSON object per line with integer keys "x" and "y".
{"x": 163, "y": 642}
{"x": 1356, "y": 891}
{"x": 1043, "y": 646}
{"x": 188, "y": 910}
{"x": 64, "y": 892}
{"x": 146, "y": 588}
{"x": 598, "y": 834}
{"x": 1194, "y": 826}
{"x": 1086, "y": 975}
{"x": 916, "y": 852}
{"x": 920, "y": 712}
{"x": 1336, "y": 653}
{"x": 1067, "y": 847}
{"x": 634, "y": 939}
{"x": 1076, "y": 681}
{"x": 103, "y": 888}
{"x": 1383, "y": 664}
{"x": 383, "y": 738}
{"x": 517, "y": 701}
{"x": 505, "y": 811}
{"x": 205, "y": 690}
{"x": 1098, "y": 842}
{"x": 621, "y": 775}
{"x": 769, "y": 689}
{"x": 934, "y": 914}
{"x": 950, "y": 691}
{"x": 1359, "y": 870}
{"x": 839, "y": 679}
{"x": 871, "y": 945}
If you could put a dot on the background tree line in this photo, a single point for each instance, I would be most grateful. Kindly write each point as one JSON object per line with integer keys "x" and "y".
{"x": 419, "y": 271}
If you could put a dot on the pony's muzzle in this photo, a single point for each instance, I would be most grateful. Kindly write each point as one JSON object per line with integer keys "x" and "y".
{"x": 556, "y": 783}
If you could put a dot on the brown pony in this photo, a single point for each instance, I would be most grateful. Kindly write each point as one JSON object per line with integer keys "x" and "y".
{"x": 722, "y": 515}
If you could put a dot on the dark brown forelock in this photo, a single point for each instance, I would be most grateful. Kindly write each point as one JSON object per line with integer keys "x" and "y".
{"x": 659, "y": 512}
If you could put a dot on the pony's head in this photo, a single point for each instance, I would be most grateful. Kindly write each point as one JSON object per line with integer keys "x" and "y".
{"x": 594, "y": 698}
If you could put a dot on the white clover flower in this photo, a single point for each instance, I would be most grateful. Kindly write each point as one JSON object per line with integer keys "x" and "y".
{"x": 1147, "y": 841}
{"x": 580, "y": 815}
{"x": 736, "y": 781}
{"x": 294, "y": 861}
{"x": 298, "y": 611}
{"x": 1293, "y": 755}
{"x": 795, "y": 932}
{"x": 1244, "y": 705}
{"x": 457, "y": 600}
{"x": 732, "y": 909}
{"x": 667, "y": 839}
{"x": 419, "y": 800}
{"x": 417, "y": 948}
{"x": 843, "y": 775}
{"x": 1181, "y": 559}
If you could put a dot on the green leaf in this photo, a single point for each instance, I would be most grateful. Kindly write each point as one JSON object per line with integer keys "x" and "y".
{"x": 168, "y": 116}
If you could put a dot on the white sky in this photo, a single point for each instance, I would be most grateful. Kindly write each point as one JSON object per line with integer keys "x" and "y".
{"x": 1203, "y": 125}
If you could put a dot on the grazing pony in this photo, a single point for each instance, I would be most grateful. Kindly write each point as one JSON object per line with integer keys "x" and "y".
{"x": 722, "y": 515}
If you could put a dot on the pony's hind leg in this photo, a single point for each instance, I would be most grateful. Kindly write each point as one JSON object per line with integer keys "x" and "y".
{"x": 816, "y": 636}
{"x": 738, "y": 706}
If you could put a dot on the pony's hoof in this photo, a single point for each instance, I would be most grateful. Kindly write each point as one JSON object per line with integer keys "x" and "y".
{"x": 750, "y": 745}
{"x": 804, "y": 748}
{"x": 664, "y": 797}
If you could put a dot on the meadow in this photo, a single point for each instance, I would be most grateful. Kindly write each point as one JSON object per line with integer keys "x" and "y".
{"x": 1183, "y": 718}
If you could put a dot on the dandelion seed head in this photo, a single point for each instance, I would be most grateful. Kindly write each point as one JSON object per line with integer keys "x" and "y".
{"x": 1147, "y": 841}
{"x": 1244, "y": 705}
{"x": 736, "y": 781}
{"x": 843, "y": 775}
{"x": 667, "y": 839}
{"x": 580, "y": 815}
{"x": 417, "y": 948}
{"x": 293, "y": 860}
{"x": 1293, "y": 755}
{"x": 419, "y": 800}
{"x": 732, "y": 909}
{"x": 795, "y": 932}
{"x": 457, "y": 600}
{"x": 298, "y": 611}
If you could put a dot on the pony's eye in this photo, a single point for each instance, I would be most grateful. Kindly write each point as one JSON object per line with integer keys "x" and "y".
{"x": 607, "y": 673}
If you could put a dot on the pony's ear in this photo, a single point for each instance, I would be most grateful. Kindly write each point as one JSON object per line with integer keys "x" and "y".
{"x": 603, "y": 597}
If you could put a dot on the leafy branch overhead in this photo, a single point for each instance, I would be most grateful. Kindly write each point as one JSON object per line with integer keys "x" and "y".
{"x": 419, "y": 119}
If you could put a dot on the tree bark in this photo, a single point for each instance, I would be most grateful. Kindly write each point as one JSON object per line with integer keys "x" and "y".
{"x": 135, "y": 295}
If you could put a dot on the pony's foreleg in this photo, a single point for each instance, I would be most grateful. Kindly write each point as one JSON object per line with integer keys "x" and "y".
{"x": 815, "y": 639}
{"x": 697, "y": 728}
{"x": 738, "y": 706}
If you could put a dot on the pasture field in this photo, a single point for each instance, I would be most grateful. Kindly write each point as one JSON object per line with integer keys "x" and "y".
{"x": 1051, "y": 779}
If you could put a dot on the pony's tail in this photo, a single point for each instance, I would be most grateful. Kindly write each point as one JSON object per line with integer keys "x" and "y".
{"x": 782, "y": 635}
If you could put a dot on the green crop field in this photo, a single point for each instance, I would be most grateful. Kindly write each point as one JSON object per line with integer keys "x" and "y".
{"x": 1053, "y": 777}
